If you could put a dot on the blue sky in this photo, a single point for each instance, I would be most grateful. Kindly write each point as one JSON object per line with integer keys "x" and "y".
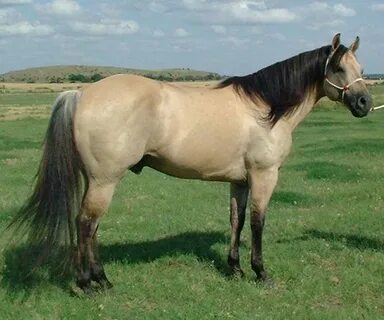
{"x": 224, "y": 36}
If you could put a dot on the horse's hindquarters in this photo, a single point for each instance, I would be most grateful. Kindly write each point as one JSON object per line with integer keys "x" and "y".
{"x": 113, "y": 124}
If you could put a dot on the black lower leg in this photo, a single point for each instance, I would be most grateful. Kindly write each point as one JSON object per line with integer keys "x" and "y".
{"x": 98, "y": 275}
{"x": 239, "y": 195}
{"x": 97, "y": 271}
{"x": 83, "y": 272}
{"x": 233, "y": 256}
{"x": 257, "y": 225}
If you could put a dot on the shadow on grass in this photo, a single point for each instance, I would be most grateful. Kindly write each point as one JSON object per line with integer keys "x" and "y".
{"x": 324, "y": 123}
{"x": 324, "y": 170}
{"x": 21, "y": 274}
{"x": 347, "y": 147}
{"x": 293, "y": 198}
{"x": 353, "y": 241}
{"x": 196, "y": 243}
{"x": 17, "y": 279}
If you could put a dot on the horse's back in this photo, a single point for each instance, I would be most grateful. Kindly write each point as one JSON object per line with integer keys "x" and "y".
{"x": 123, "y": 88}
{"x": 182, "y": 131}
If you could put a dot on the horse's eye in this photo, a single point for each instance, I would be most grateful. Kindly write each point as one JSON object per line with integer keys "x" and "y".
{"x": 339, "y": 69}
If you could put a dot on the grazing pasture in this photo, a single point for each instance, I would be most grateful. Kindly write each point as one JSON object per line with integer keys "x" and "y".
{"x": 164, "y": 241}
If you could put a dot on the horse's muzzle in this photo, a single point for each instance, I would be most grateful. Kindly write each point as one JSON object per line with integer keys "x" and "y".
{"x": 359, "y": 106}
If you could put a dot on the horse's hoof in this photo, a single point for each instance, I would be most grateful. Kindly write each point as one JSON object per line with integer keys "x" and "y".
{"x": 89, "y": 291}
{"x": 266, "y": 282}
{"x": 105, "y": 284}
{"x": 237, "y": 272}
{"x": 84, "y": 292}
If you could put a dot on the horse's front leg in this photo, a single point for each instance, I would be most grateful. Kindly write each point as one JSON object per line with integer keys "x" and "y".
{"x": 262, "y": 184}
{"x": 238, "y": 205}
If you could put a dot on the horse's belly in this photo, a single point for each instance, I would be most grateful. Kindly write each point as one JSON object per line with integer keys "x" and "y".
{"x": 231, "y": 172}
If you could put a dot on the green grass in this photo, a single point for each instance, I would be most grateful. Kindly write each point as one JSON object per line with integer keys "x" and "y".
{"x": 19, "y": 99}
{"x": 164, "y": 241}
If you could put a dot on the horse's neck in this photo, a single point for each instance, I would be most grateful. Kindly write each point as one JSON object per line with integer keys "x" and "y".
{"x": 300, "y": 113}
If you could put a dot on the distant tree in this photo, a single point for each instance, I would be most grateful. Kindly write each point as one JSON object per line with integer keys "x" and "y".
{"x": 55, "y": 80}
{"x": 189, "y": 77}
{"x": 96, "y": 77}
{"x": 150, "y": 76}
{"x": 164, "y": 77}
{"x": 78, "y": 78}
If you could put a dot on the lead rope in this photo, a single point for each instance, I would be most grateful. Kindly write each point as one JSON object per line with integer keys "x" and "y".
{"x": 376, "y": 108}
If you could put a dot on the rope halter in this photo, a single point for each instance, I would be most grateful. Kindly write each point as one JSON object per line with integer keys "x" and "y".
{"x": 346, "y": 87}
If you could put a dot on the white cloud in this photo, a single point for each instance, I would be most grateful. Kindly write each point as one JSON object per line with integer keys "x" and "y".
{"x": 26, "y": 28}
{"x": 181, "y": 48}
{"x": 12, "y": 23}
{"x": 109, "y": 10}
{"x": 158, "y": 33}
{"x": 14, "y": 2}
{"x": 315, "y": 7}
{"x": 196, "y": 5}
{"x": 4, "y": 15}
{"x": 378, "y": 7}
{"x": 325, "y": 9}
{"x": 344, "y": 11}
{"x": 255, "y": 30}
{"x": 60, "y": 7}
{"x": 219, "y": 29}
{"x": 106, "y": 27}
{"x": 9, "y": 16}
{"x": 266, "y": 16}
{"x": 320, "y": 15}
{"x": 157, "y": 7}
{"x": 320, "y": 24}
{"x": 318, "y": 6}
{"x": 239, "y": 11}
{"x": 278, "y": 36}
{"x": 237, "y": 42}
{"x": 180, "y": 32}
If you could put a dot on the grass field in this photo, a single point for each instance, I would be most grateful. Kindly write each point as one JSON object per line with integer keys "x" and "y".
{"x": 164, "y": 241}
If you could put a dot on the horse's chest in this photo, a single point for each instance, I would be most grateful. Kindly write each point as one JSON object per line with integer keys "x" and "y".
{"x": 267, "y": 151}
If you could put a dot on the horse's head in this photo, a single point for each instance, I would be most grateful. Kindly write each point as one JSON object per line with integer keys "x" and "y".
{"x": 343, "y": 78}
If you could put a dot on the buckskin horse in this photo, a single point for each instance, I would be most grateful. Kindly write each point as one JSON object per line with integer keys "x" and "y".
{"x": 239, "y": 131}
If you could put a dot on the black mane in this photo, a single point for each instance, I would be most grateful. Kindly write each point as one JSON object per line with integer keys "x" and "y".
{"x": 283, "y": 85}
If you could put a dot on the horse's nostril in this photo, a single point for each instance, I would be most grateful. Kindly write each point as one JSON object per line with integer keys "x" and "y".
{"x": 362, "y": 101}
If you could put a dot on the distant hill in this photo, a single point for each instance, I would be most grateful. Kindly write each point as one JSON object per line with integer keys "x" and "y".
{"x": 81, "y": 73}
{"x": 374, "y": 76}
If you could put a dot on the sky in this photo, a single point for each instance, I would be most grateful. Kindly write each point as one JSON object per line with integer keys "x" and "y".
{"x": 231, "y": 37}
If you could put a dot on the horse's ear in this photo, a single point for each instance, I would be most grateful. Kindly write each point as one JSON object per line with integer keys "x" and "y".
{"x": 336, "y": 41}
{"x": 353, "y": 47}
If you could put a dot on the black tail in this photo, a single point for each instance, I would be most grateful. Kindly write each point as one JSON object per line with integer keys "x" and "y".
{"x": 48, "y": 216}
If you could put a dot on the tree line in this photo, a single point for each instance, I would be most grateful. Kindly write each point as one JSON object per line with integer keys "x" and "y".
{"x": 161, "y": 77}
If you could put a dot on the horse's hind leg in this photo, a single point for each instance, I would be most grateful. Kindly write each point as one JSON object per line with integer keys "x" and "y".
{"x": 88, "y": 266}
{"x": 239, "y": 197}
